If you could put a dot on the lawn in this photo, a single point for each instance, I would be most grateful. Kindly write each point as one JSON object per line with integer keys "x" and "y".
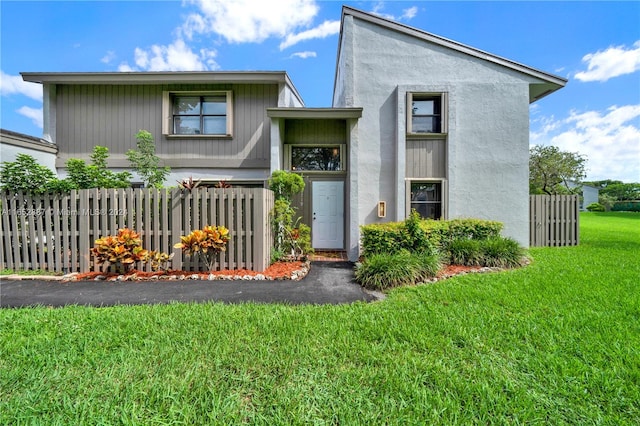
{"x": 557, "y": 342}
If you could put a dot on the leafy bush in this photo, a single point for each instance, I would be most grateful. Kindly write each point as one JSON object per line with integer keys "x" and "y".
{"x": 626, "y": 206}
{"x": 436, "y": 234}
{"x": 382, "y": 271}
{"x": 96, "y": 174}
{"x": 207, "y": 242}
{"x": 25, "y": 174}
{"x": 595, "y": 207}
{"x": 121, "y": 250}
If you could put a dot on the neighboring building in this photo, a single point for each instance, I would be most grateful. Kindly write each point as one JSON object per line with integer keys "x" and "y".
{"x": 14, "y": 143}
{"x": 590, "y": 194}
{"x": 417, "y": 121}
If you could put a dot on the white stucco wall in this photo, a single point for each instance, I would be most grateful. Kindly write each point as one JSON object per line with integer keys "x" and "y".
{"x": 488, "y": 120}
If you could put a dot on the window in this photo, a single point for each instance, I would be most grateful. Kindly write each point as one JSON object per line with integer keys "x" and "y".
{"x": 198, "y": 113}
{"x": 426, "y": 199}
{"x": 426, "y": 113}
{"x": 326, "y": 158}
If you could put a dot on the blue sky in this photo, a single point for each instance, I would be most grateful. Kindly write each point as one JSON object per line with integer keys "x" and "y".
{"x": 596, "y": 45}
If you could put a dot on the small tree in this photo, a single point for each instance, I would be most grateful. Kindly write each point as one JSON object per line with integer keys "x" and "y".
{"x": 551, "y": 170}
{"x": 95, "y": 175}
{"x": 25, "y": 174}
{"x": 290, "y": 235}
{"x": 146, "y": 162}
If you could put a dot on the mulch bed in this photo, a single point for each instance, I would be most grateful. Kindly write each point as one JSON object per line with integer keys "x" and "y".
{"x": 277, "y": 271}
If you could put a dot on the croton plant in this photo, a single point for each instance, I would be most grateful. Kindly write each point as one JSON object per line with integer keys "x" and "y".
{"x": 206, "y": 243}
{"x": 125, "y": 249}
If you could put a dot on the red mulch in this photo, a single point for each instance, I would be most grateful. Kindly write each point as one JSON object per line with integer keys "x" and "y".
{"x": 278, "y": 270}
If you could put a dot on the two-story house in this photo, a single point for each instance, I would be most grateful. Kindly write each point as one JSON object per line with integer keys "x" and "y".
{"x": 417, "y": 122}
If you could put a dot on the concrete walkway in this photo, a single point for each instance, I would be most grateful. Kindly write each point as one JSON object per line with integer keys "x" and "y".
{"x": 326, "y": 283}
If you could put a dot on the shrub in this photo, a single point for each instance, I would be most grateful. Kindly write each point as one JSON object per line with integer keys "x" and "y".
{"x": 493, "y": 252}
{"x": 626, "y": 206}
{"x": 595, "y": 207}
{"x": 380, "y": 271}
{"x": 463, "y": 251}
{"x": 207, "y": 243}
{"x": 437, "y": 234}
{"x": 121, "y": 250}
{"x": 25, "y": 174}
{"x": 291, "y": 238}
{"x": 501, "y": 252}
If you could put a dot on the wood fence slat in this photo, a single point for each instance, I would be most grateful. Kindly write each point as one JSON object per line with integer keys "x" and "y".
{"x": 85, "y": 236}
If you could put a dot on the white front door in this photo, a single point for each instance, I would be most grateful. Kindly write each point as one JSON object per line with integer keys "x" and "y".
{"x": 327, "y": 203}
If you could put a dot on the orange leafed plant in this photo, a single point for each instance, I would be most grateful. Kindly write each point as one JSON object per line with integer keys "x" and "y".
{"x": 122, "y": 250}
{"x": 206, "y": 242}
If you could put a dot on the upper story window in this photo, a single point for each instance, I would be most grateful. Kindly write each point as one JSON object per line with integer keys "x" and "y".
{"x": 198, "y": 113}
{"x": 426, "y": 113}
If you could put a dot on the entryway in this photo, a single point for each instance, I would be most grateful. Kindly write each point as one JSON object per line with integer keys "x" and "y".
{"x": 327, "y": 207}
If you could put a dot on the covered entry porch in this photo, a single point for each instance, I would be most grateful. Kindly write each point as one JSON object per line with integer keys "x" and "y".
{"x": 315, "y": 142}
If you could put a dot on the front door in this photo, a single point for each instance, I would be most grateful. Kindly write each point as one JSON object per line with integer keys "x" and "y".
{"x": 327, "y": 204}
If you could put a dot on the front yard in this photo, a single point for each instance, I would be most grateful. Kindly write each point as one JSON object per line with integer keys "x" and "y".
{"x": 555, "y": 342}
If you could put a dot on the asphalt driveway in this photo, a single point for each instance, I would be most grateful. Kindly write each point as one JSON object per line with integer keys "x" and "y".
{"x": 326, "y": 283}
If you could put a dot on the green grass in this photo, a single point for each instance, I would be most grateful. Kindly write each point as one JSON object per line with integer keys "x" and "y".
{"x": 557, "y": 342}
{"x": 28, "y": 273}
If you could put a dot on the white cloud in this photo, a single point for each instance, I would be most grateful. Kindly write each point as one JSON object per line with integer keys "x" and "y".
{"x": 249, "y": 21}
{"x": 304, "y": 55}
{"x": 35, "y": 114}
{"x": 14, "y": 84}
{"x": 177, "y": 56}
{"x": 609, "y": 63}
{"x": 326, "y": 29}
{"x": 609, "y": 139}
{"x": 108, "y": 57}
{"x": 410, "y": 13}
{"x": 407, "y": 14}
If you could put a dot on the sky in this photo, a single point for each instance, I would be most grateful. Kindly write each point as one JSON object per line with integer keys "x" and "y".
{"x": 595, "y": 45}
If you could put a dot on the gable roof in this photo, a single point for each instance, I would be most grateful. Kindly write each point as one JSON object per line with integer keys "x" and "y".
{"x": 549, "y": 83}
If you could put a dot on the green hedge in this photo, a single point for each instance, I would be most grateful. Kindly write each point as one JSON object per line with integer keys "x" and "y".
{"x": 626, "y": 206}
{"x": 393, "y": 237}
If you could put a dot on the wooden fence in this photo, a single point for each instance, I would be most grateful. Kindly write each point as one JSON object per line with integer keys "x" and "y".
{"x": 554, "y": 220}
{"x": 55, "y": 232}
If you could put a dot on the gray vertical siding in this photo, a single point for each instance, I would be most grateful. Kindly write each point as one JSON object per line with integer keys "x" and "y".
{"x": 426, "y": 158}
{"x": 111, "y": 115}
{"x": 315, "y": 131}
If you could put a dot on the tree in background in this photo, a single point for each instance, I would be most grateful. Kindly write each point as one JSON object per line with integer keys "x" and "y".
{"x": 617, "y": 189}
{"x": 81, "y": 175}
{"x": 145, "y": 161}
{"x": 25, "y": 174}
{"x": 551, "y": 170}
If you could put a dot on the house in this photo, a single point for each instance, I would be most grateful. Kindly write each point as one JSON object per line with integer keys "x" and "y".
{"x": 589, "y": 194}
{"x": 13, "y": 143}
{"x": 417, "y": 122}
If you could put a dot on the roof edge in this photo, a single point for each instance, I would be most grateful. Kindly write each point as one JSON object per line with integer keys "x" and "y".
{"x": 153, "y": 77}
